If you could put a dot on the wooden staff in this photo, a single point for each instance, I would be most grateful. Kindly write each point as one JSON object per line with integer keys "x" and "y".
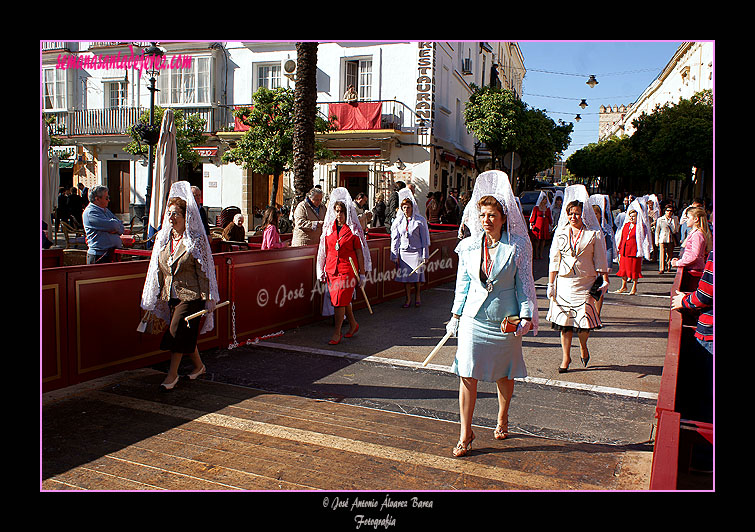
{"x": 437, "y": 348}
{"x": 423, "y": 262}
{"x": 351, "y": 261}
{"x": 203, "y": 312}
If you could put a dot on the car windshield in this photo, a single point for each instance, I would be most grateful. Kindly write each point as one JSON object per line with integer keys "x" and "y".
{"x": 529, "y": 197}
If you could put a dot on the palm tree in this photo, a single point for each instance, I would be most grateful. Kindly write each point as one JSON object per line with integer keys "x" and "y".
{"x": 305, "y": 108}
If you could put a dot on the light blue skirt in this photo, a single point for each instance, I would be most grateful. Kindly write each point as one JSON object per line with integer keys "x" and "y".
{"x": 485, "y": 353}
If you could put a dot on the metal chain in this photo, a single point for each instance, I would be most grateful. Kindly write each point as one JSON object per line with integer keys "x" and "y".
{"x": 233, "y": 324}
{"x": 235, "y": 344}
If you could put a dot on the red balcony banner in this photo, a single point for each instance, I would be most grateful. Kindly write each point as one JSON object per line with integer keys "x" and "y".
{"x": 359, "y": 115}
{"x": 238, "y": 125}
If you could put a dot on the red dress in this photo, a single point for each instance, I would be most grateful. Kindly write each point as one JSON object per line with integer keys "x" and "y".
{"x": 341, "y": 278}
{"x": 541, "y": 222}
{"x": 630, "y": 265}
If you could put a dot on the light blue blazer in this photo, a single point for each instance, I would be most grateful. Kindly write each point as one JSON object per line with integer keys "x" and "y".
{"x": 472, "y": 299}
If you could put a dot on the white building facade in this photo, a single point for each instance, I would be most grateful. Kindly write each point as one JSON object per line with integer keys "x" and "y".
{"x": 689, "y": 71}
{"x": 408, "y": 123}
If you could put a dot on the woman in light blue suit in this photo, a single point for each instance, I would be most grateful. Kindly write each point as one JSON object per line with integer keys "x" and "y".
{"x": 493, "y": 281}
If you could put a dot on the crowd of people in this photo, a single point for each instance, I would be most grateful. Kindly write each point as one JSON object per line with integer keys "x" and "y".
{"x": 494, "y": 303}
{"x": 635, "y": 229}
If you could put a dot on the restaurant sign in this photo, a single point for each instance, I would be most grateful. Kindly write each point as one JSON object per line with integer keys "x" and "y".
{"x": 424, "y": 105}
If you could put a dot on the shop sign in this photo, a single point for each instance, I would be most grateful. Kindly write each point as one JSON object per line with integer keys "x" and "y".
{"x": 206, "y": 151}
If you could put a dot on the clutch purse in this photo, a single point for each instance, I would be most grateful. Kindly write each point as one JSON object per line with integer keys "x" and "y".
{"x": 151, "y": 324}
{"x": 595, "y": 288}
{"x": 509, "y": 324}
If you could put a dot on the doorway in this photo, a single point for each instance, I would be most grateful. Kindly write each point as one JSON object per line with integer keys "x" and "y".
{"x": 118, "y": 184}
{"x": 354, "y": 182}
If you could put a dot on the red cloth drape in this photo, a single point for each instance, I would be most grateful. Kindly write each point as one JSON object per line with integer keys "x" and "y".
{"x": 238, "y": 125}
{"x": 358, "y": 115}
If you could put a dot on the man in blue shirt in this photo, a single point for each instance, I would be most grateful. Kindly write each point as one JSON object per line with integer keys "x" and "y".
{"x": 102, "y": 228}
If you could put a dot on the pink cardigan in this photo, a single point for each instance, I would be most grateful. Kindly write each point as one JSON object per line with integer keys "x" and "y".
{"x": 271, "y": 238}
{"x": 694, "y": 252}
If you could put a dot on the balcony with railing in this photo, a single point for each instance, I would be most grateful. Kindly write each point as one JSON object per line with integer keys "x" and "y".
{"x": 116, "y": 121}
{"x": 110, "y": 44}
{"x": 359, "y": 116}
{"x": 54, "y": 45}
{"x": 350, "y": 116}
{"x": 369, "y": 115}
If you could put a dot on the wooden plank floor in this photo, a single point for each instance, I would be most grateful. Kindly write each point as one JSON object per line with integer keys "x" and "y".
{"x": 124, "y": 435}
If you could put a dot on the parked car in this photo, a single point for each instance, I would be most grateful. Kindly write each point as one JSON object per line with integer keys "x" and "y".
{"x": 554, "y": 188}
{"x": 528, "y": 199}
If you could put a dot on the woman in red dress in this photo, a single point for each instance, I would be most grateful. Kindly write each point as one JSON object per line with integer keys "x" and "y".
{"x": 342, "y": 239}
{"x": 540, "y": 224}
{"x": 630, "y": 264}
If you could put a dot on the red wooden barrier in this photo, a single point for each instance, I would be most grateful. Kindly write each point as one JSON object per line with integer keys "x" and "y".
{"x": 675, "y": 436}
{"x": 664, "y": 471}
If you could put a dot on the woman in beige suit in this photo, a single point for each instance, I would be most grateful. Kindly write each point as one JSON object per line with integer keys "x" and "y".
{"x": 181, "y": 281}
{"x": 578, "y": 274}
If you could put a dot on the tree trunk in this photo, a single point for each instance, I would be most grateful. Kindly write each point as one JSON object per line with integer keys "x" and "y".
{"x": 274, "y": 186}
{"x": 305, "y": 108}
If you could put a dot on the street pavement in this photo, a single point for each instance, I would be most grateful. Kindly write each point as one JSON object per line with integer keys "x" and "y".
{"x": 610, "y": 401}
{"x": 602, "y": 412}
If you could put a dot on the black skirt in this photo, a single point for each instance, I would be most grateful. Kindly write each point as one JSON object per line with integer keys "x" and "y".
{"x": 179, "y": 338}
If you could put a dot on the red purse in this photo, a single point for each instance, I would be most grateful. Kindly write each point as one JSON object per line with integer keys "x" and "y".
{"x": 509, "y": 324}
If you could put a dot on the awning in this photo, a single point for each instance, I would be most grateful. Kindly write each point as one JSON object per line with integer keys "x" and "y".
{"x": 357, "y": 152}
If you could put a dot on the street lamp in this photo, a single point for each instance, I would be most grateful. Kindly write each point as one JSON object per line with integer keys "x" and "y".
{"x": 577, "y": 118}
{"x": 583, "y": 103}
{"x": 592, "y": 81}
{"x": 155, "y": 55}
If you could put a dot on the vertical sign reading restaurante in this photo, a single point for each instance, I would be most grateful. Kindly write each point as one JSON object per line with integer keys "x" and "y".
{"x": 425, "y": 87}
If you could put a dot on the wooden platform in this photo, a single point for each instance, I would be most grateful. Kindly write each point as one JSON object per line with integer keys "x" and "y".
{"x": 120, "y": 433}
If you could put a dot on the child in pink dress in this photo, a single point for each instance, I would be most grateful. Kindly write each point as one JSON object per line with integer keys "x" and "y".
{"x": 271, "y": 238}
{"x": 698, "y": 243}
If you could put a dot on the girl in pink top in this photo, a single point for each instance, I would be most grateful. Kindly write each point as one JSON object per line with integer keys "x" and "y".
{"x": 698, "y": 243}
{"x": 271, "y": 238}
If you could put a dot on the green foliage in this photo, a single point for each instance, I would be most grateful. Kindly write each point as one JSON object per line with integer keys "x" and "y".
{"x": 673, "y": 138}
{"x": 189, "y": 131}
{"x": 504, "y": 123}
{"x": 267, "y": 147}
{"x": 541, "y": 140}
{"x": 492, "y": 115}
